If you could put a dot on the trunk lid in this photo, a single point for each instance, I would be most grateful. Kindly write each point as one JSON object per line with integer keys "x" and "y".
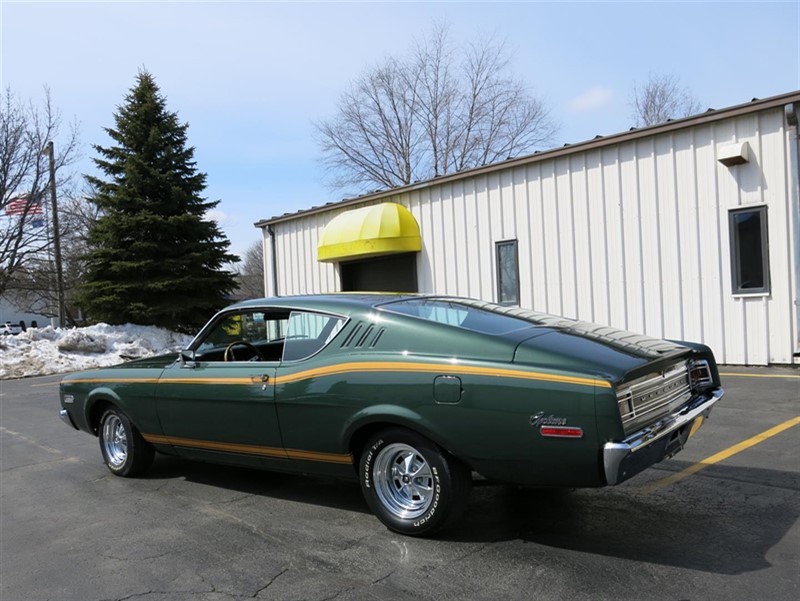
{"x": 609, "y": 353}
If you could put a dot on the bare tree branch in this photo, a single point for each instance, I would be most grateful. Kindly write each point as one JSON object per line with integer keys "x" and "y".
{"x": 33, "y": 289}
{"x": 660, "y": 98}
{"x": 25, "y": 129}
{"x": 250, "y": 274}
{"x": 429, "y": 115}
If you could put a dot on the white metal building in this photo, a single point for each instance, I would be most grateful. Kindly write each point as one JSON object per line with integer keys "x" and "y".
{"x": 9, "y": 312}
{"x": 687, "y": 230}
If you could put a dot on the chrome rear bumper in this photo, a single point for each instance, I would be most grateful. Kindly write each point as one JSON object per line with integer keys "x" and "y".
{"x": 623, "y": 460}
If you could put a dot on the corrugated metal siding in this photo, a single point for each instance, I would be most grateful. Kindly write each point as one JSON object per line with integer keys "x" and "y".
{"x": 633, "y": 235}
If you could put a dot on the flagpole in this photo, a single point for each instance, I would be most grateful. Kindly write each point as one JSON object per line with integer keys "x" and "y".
{"x": 48, "y": 150}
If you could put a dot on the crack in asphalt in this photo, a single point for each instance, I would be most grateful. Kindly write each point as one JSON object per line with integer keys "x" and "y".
{"x": 269, "y": 584}
{"x": 469, "y": 553}
{"x": 213, "y": 511}
{"x": 355, "y": 542}
{"x": 235, "y": 499}
{"x": 145, "y": 558}
{"x": 151, "y": 592}
{"x": 382, "y": 578}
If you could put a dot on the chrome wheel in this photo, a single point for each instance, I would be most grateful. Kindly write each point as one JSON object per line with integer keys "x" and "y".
{"x": 403, "y": 481}
{"x": 115, "y": 441}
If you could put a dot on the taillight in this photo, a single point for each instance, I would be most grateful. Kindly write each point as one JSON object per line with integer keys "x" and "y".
{"x": 700, "y": 374}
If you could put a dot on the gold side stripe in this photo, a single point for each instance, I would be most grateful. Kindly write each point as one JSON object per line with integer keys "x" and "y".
{"x": 376, "y": 366}
{"x": 368, "y": 367}
{"x": 112, "y": 381}
{"x": 216, "y": 446}
{"x": 316, "y": 456}
{"x": 245, "y": 380}
{"x": 247, "y": 449}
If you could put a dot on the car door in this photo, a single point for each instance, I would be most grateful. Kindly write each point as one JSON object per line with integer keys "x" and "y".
{"x": 218, "y": 402}
{"x": 312, "y": 413}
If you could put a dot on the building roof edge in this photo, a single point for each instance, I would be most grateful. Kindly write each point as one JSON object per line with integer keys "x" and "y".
{"x": 708, "y": 116}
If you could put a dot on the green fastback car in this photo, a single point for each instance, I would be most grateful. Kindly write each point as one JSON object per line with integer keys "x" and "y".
{"x": 410, "y": 394}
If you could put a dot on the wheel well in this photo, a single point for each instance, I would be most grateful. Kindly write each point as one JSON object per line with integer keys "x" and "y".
{"x": 96, "y": 412}
{"x": 360, "y": 437}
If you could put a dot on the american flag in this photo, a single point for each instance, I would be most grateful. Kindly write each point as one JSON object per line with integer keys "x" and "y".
{"x": 21, "y": 204}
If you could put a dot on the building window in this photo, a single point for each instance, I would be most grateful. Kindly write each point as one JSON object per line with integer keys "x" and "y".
{"x": 507, "y": 272}
{"x": 749, "y": 256}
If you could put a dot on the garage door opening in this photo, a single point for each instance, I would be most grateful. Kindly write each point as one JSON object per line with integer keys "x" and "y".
{"x": 392, "y": 273}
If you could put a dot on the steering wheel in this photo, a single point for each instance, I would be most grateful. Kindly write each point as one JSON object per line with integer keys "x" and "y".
{"x": 229, "y": 356}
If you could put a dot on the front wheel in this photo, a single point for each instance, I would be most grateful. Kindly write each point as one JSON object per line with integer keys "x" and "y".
{"x": 124, "y": 450}
{"x": 410, "y": 484}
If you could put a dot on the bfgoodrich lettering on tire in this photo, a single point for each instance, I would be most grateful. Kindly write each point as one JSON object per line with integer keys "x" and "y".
{"x": 411, "y": 484}
{"x": 124, "y": 450}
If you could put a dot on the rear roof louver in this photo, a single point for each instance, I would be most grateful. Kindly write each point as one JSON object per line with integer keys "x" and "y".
{"x": 361, "y": 336}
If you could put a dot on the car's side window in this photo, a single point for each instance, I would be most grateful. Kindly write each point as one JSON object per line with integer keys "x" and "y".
{"x": 308, "y": 333}
{"x": 245, "y": 336}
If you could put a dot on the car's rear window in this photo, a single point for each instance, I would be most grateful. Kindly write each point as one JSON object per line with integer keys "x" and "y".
{"x": 458, "y": 314}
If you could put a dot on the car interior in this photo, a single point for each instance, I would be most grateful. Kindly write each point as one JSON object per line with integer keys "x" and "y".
{"x": 267, "y": 336}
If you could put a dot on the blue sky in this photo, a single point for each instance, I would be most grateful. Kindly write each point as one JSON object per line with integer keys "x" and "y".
{"x": 250, "y": 78}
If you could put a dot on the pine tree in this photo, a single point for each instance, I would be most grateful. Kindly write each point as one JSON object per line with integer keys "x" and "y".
{"x": 154, "y": 259}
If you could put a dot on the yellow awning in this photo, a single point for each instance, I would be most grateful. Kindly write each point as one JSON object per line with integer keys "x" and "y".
{"x": 372, "y": 231}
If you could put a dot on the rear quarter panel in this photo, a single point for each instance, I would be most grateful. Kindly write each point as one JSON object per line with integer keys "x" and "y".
{"x": 490, "y": 428}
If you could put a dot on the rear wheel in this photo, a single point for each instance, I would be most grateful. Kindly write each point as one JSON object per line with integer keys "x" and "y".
{"x": 124, "y": 450}
{"x": 411, "y": 484}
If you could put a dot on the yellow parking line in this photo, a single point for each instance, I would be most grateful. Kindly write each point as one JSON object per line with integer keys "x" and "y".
{"x": 729, "y": 452}
{"x": 734, "y": 375}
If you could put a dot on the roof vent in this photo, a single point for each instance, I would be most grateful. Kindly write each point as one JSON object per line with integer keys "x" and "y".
{"x": 377, "y": 337}
{"x": 360, "y": 337}
{"x": 734, "y": 154}
{"x": 352, "y": 335}
{"x": 365, "y": 335}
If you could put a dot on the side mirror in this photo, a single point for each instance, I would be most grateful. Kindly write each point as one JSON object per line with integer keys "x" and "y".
{"x": 187, "y": 359}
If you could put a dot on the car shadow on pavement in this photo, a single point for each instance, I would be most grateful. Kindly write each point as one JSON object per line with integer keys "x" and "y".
{"x": 314, "y": 490}
{"x": 725, "y": 521}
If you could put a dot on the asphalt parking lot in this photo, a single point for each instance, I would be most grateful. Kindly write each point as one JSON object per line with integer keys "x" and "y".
{"x": 718, "y": 521}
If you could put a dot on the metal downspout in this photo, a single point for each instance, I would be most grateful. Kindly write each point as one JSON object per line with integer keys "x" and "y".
{"x": 791, "y": 112}
{"x": 271, "y": 233}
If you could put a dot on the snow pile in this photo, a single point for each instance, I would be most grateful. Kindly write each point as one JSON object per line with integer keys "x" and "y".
{"x": 43, "y": 351}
